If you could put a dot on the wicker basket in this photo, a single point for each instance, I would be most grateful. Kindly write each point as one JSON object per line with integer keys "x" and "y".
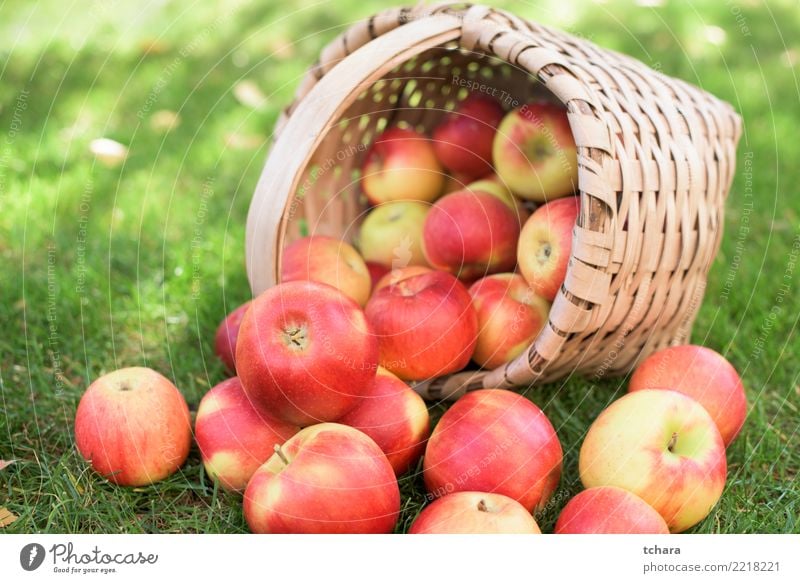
{"x": 656, "y": 158}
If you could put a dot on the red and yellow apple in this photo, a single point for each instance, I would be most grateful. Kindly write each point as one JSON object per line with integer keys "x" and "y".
{"x": 474, "y": 513}
{"x": 534, "y": 152}
{"x": 425, "y": 325}
{"x": 395, "y": 417}
{"x": 133, "y": 427}
{"x": 494, "y": 186}
{"x": 398, "y": 275}
{"x": 305, "y": 353}
{"x": 225, "y": 338}
{"x": 545, "y": 244}
{"x": 391, "y": 234}
{"x": 510, "y": 316}
{"x": 493, "y": 440}
{"x": 609, "y": 510}
{"x": 327, "y": 479}
{"x": 662, "y": 446}
{"x": 234, "y": 437}
{"x": 401, "y": 165}
{"x": 702, "y": 374}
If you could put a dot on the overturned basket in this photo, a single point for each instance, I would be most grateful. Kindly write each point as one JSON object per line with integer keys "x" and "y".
{"x": 656, "y": 158}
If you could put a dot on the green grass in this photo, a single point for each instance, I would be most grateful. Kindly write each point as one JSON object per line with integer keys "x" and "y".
{"x": 102, "y": 268}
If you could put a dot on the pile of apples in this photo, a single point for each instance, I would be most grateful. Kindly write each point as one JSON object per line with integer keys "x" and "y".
{"x": 453, "y": 264}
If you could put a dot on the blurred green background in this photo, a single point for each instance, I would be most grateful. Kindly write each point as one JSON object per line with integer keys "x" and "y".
{"x": 105, "y": 266}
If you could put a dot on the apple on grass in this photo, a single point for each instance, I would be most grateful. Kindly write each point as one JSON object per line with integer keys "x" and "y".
{"x": 329, "y": 478}
{"x": 493, "y": 440}
{"x": 133, "y": 426}
{"x": 425, "y": 325}
{"x": 702, "y": 374}
{"x": 306, "y": 353}
{"x": 395, "y": 417}
{"x": 474, "y": 513}
{"x": 510, "y": 316}
{"x": 534, "y": 152}
{"x": 609, "y": 510}
{"x": 398, "y": 275}
{"x": 225, "y": 338}
{"x": 391, "y": 234}
{"x": 234, "y": 437}
{"x": 545, "y": 244}
{"x": 401, "y": 165}
{"x": 662, "y": 446}
{"x": 327, "y": 260}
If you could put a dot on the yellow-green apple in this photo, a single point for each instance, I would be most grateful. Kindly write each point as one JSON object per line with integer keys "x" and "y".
{"x": 545, "y": 244}
{"x": 327, "y": 260}
{"x": 401, "y": 165}
{"x": 306, "y": 353}
{"x": 395, "y": 417}
{"x": 376, "y": 272}
{"x": 471, "y": 234}
{"x": 398, "y": 275}
{"x": 494, "y": 186}
{"x": 234, "y": 437}
{"x": 425, "y": 325}
{"x": 535, "y": 154}
{"x": 133, "y": 426}
{"x": 474, "y": 513}
{"x": 391, "y": 234}
{"x": 662, "y": 446}
{"x": 609, "y": 510}
{"x": 225, "y": 338}
{"x": 329, "y": 478}
{"x": 702, "y": 374}
{"x": 463, "y": 139}
{"x": 510, "y": 316}
{"x": 493, "y": 440}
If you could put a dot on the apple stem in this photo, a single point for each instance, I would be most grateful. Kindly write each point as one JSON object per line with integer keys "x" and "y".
{"x": 672, "y": 442}
{"x": 281, "y": 455}
{"x": 482, "y": 506}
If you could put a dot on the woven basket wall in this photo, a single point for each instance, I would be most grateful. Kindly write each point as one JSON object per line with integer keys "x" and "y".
{"x": 656, "y": 159}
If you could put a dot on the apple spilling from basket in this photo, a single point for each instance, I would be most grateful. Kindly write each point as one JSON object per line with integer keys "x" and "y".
{"x": 454, "y": 264}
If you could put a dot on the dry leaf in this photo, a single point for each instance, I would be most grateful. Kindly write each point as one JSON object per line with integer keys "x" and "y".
{"x": 249, "y": 94}
{"x": 164, "y": 120}
{"x": 5, "y": 463}
{"x": 281, "y": 47}
{"x": 239, "y": 141}
{"x": 108, "y": 151}
{"x": 6, "y": 517}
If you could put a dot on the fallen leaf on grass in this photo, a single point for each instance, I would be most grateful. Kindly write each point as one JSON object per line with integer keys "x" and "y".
{"x": 108, "y": 152}
{"x": 164, "y": 120}
{"x": 238, "y": 141}
{"x": 249, "y": 94}
{"x": 5, "y": 463}
{"x": 6, "y": 517}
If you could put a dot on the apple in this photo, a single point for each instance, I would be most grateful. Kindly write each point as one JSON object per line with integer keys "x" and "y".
{"x": 376, "y": 272}
{"x": 454, "y": 183}
{"x": 425, "y": 325}
{"x": 609, "y": 510}
{"x": 545, "y": 244}
{"x": 234, "y": 437}
{"x": 132, "y": 425}
{"x": 401, "y": 165}
{"x": 662, "y": 446}
{"x": 398, "y": 275}
{"x": 493, "y": 440}
{"x": 329, "y": 478}
{"x": 702, "y": 374}
{"x": 463, "y": 139}
{"x": 225, "y": 338}
{"x": 471, "y": 234}
{"x": 306, "y": 353}
{"x": 391, "y": 234}
{"x": 395, "y": 417}
{"x": 510, "y": 316}
{"x": 327, "y": 260}
{"x": 534, "y": 152}
{"x": 475, "y": 513}
{"x": 494, "y": 186}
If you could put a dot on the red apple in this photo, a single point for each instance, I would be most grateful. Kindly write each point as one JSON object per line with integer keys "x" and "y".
{"x": 463, "y": 139}
{"x": 398, "y": 275}
{"x": 493, "y": 185}
{"x": 395, "y": 417}
{"x": 133, "y": 426}
{"x": 329, "y": 478}
{"x": 327, "y": 260}
{"x": 475, "y": 513}
{"x": 545, "y": 244}
{"x": 234, "y": 437}
{"x": 494, "y": 440}
{"x": 609, "y": 510}
{"x": 225, "y": 339}
{"x": 535, "y": 154}
{"x": 702, "y": 374}
{"x": 401, "y": 165}
{"x": 376, "y": 272}
{"x": 662, "y": 446}
{"x": 425, "y": 325}
{"x": 510, "y": 316}
{"x": 391, "y": 234}
{"x": 306, "y": 353}
{"x": 471, "y": 234}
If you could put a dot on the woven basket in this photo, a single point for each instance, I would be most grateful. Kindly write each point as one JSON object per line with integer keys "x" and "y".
{"x": 656, "y": 159}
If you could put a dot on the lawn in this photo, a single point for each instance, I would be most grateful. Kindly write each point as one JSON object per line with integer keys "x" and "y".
{"x": 103, "y": 267}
